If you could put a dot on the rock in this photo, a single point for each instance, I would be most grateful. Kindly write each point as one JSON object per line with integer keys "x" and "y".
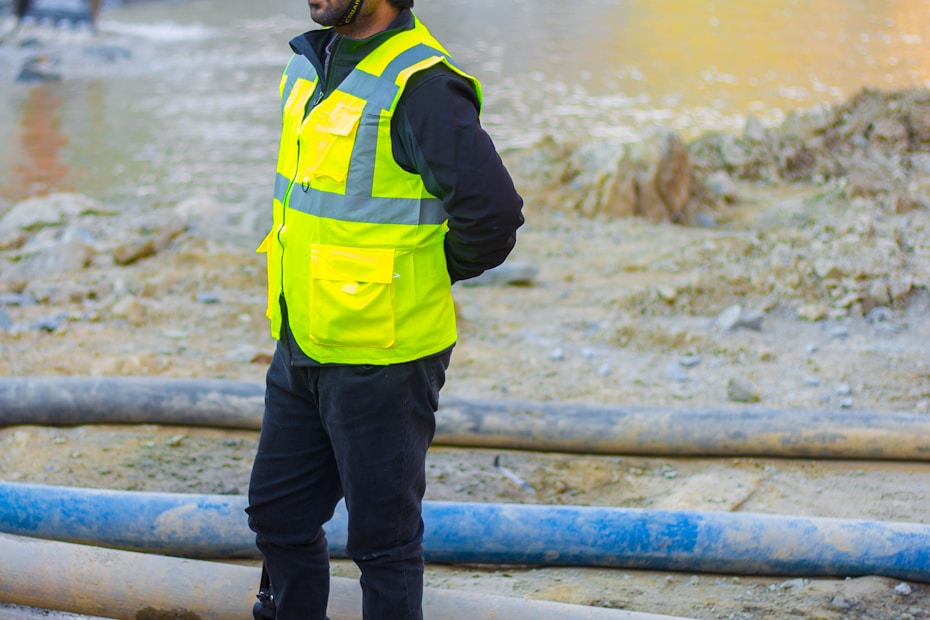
{"x": 900, "y": 288}
{"x": 736, "y": 316}
{"x": 50, "y": 323}
{"x": 620, "y": 195}
{"x": 592, "y": 169}
{"x": 793, "y": 584}
{"x": 39, "y": 69}
{"x": 674, "y": 372}
{"x": 754, "y": 130}
{"x": 813, "y": 312}
{"x": 878, "y": 315}
{"x": 919, "y": 122}
{"x": 729, "y": 318}
{"x": 52, "y": 210}
{"x": 828, "y": 270}
{"x": 207, "y": 298}
{"x": 732, "y": 153}
{"x": 839, "y": 332}
{"x": 666, "y": 293}
{"x": 705, "y": 220}
{"x": 49, "y": 259}
{"x": 889, "y": 132}
{"x": 741, "y": 391}
{"x": 722, "y": 186}
{"x": 665, "y": 179}
{"x": 839, "y": 603}
{"x": 150, "y": 244}
{"x": 129, "y": 308}
{"x": 17, "y": 299}
{"x": 903, "y": 588}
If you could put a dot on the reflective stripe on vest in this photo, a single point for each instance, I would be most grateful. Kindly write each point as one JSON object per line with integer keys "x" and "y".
{"x": 357, "y": 243}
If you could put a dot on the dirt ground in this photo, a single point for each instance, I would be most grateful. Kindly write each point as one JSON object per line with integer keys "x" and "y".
{"x": 620, "y": 311}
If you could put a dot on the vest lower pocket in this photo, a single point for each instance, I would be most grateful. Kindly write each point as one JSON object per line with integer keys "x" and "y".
{"x": 352, "y": 296}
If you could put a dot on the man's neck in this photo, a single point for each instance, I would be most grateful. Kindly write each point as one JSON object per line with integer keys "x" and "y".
{"x": 368, "y": 25}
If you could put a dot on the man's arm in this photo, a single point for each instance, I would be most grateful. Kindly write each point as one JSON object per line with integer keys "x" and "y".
{"x": 436, "y": 133}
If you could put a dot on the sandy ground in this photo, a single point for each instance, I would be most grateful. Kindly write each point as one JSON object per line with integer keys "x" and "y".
{"x": 620, "y": 312}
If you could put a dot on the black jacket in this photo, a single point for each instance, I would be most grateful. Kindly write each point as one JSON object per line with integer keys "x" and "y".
{"x": 436, "y": 134}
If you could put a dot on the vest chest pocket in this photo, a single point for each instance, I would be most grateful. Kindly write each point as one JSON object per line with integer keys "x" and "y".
{"x": 352, "y": 296}
{"x": 327, "y": 138}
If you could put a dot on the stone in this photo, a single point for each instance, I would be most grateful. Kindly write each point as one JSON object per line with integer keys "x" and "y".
{"x": 666, "y": 293}
{"x": 735, "y": 316}
{"x": 620, "y": 196}
{"x": 741, "y": 391}
{"x": 50, "y": 259}
{"x": 674, "y": 372}
{"x": 129, "y": 308}
{"x": 754, "y": 130}
{"x": 812, "y": 312}
{"x": 722, "y": 186}
{"x": 664, "y": 179}
{"x": 828, "y": 270}
{"x": 52, "y": 210}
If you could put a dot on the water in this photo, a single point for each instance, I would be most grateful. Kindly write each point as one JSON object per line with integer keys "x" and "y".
{"x": 194, "y": 109}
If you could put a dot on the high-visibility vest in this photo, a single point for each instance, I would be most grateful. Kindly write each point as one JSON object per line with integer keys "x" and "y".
{"x": 356, "y": 246}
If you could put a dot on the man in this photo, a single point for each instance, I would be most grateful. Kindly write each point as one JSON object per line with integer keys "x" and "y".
{"x": 388, "y": 190}
{"x": 21, "y": 9}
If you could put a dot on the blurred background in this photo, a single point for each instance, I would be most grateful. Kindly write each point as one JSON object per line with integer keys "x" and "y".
{"x": 168, "y": 98}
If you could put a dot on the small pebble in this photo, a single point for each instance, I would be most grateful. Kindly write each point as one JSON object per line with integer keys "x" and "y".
{"x": 692, "y": 359}
{"x": 208, "y": 298}
{"x": 674, "y": 372}
{"x": 903, "y": 588}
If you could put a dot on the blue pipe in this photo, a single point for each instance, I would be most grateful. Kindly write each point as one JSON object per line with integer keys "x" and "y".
{"x": 213, "y": 526}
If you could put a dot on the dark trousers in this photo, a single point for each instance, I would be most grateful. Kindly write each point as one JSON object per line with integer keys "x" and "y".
{"x": 359, "y": 432}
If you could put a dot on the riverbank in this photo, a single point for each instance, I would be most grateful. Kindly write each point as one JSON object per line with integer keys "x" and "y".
{"x": 804, "y": 284}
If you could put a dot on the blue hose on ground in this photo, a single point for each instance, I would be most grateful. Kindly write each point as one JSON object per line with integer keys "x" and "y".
{"x": 214, "y": 526}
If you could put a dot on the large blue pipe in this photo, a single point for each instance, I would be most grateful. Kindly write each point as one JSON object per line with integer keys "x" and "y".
{"x": 212, "y": 526}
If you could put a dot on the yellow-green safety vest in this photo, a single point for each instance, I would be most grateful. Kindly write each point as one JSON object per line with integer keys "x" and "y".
{"x": 356, "y": 246}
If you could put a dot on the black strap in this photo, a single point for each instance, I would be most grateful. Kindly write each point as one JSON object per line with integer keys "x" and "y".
{"x": 265, "y": 583}
{"x": 351, "y": 13}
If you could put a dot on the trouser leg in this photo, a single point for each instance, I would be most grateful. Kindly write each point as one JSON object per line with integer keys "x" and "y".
{"x": 293, "y": 491}
{"x": 381, "y": 420}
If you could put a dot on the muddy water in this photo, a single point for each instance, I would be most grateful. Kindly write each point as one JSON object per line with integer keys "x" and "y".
{"x": 172, "y": 98}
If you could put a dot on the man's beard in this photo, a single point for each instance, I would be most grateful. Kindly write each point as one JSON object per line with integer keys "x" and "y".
{"x": 336, "y": 12}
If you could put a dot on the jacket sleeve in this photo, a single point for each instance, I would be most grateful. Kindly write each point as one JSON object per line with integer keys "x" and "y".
{"x": 437, "y": 134}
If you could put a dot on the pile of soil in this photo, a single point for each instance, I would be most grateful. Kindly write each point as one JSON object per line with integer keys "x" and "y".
{"x": 819, "y": 247}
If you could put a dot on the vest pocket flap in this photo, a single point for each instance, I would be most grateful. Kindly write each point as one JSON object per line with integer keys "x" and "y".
{"x": 341, "y": 120}
{"x": 333, "y": 262}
